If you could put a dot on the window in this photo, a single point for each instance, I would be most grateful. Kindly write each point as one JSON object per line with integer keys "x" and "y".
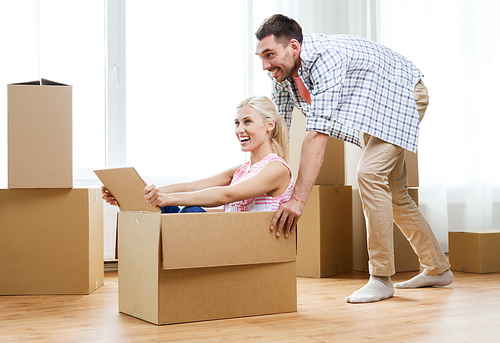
{"x": 51, "y": 43}
{"x": 184, "y": 70}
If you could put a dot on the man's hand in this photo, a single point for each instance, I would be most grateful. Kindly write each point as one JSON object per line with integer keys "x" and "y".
{"x": 286, "y": 217}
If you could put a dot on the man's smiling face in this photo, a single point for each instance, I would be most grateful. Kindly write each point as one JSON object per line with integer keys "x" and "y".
{"x": 281, "y": 61}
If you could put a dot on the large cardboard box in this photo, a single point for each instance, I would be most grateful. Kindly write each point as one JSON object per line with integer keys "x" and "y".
{"x": 324, "y": 233}
{"x": 175, "y": 268}
{"x": 475, "y": 252}
{"x": 332, "y": 170}
{"x": 405, "y": 259}
{"x": 50, "y": 241}
{"x": 40, "y": 146}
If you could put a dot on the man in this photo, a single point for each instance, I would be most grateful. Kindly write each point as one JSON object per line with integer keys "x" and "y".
{"x": 344, "y": 85}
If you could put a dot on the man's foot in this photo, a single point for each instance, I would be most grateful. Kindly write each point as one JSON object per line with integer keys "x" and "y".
{"x": 422, "y": 280}
{"x": 378, "y": 288}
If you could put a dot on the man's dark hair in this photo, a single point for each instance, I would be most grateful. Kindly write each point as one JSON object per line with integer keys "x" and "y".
{"x": 282, "y": 27}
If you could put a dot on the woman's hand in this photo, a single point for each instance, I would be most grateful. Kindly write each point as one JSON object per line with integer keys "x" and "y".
{"x": 108, "y": 197}
{"x": 154, "y": 196}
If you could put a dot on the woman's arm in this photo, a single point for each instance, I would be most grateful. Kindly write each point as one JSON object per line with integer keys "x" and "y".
{"x": 221, "y": 179}
{"x": 273, "y": 180}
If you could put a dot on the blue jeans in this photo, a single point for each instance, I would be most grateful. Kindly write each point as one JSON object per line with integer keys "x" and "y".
{"x": 176, "y": 209}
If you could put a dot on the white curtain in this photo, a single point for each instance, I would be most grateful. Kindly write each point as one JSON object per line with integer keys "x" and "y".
{"x": 457, "y": 46}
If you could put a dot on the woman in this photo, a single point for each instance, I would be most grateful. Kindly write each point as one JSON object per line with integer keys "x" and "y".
{"x": 261, "y": 184}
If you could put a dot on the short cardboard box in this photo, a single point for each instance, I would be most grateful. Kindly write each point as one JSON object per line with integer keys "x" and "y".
{"x": 405, "y": 259}
{"x": 40, "y": 150}
{"x": 474, "y": 252}
{"x": 324, "y": 233}
{"x": 51, "y": 241}
{"x": 175, "y": 268}
{"x": 332, "y": 170}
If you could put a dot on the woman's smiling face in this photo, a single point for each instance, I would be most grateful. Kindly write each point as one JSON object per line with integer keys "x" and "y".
{"x": 250, "y": 128}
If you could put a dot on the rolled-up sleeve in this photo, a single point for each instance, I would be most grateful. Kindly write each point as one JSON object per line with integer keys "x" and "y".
{"x": 326, "y": 74}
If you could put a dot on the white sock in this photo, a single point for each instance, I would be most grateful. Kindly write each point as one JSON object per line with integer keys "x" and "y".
{"x": 422, "y": 280}
{"x": 378, "y": 288}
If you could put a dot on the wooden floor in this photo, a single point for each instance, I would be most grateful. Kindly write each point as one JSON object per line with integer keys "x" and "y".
{"x": 467, "y": 311}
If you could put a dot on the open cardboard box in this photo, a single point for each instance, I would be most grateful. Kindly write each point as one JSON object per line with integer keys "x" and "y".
{"x": 40, "y": 148}
{"x": 185, "y": 267}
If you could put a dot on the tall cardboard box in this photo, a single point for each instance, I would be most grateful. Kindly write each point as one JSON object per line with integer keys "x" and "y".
{"x": 324, "y": 233}
{"x": 186, "y": 267}
{"x": 332, "y": 170}
{"x": 51, "y": 241}
{"x": 40, "y": 135}
{"x": 405, "y": 259}
{"x": 475, "y": 252}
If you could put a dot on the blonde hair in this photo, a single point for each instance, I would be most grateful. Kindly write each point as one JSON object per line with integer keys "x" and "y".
{"x": 266, "y": 108}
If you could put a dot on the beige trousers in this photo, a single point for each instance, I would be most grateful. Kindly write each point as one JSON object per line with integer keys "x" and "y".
{"x": 383, "y": 188}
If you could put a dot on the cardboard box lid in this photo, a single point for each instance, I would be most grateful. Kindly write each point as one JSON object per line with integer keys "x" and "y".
{"x": 127, "y": 187}
{"x": 199, "y": 240}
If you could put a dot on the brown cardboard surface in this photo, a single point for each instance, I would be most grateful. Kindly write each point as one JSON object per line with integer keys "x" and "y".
{"x": 405, "y": 259}
{"x": 211, "y": 248}
{"x": 332, "y": 170}
{"x": 227, "y": 292}
{"x": 474, "y": 252}
{"x": 40, "y": 150}
{"x": 51, "y": 241}
{"x": 127, "y": 187}
{"x": 149, "y": 292}
{"x": 411, "y": 159}
{"x": 324, "y": 233}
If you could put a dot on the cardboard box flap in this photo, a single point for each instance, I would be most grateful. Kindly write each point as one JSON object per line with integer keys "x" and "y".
{"x": 127, "y": 187}
{"x": 43, "y": 82}
{"x": 199, "y": 240}
{"x": 46, "y": 82}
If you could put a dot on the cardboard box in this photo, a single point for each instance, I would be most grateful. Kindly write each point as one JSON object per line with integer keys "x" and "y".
{"x": 474, "y": 252}
{"x": 40, "y": 150}
{"x": 332, "y": 170}
{"x": 405, "y": 259}
{"x": 411, "y": 159}
{"x": 51, "y": 241}
{"x": 324, "y": 233}
{"x": 176, "y": 268}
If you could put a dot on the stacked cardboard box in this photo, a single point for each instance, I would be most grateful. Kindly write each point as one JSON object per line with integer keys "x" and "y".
{"x": 51, "y": 233}
{"x": 324, "y": 232}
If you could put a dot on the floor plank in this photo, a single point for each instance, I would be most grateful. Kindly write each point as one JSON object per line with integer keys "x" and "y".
{"x": 466, "y": 311}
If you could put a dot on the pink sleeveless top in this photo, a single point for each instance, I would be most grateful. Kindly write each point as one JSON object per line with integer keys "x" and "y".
{"x": 262, "y": 202}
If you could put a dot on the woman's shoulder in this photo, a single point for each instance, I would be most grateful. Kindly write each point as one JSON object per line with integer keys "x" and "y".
{"x": 274, "y": 158}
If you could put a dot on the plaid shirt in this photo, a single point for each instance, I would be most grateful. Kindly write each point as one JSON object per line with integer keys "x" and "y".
{"x": 355, "y": 85}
